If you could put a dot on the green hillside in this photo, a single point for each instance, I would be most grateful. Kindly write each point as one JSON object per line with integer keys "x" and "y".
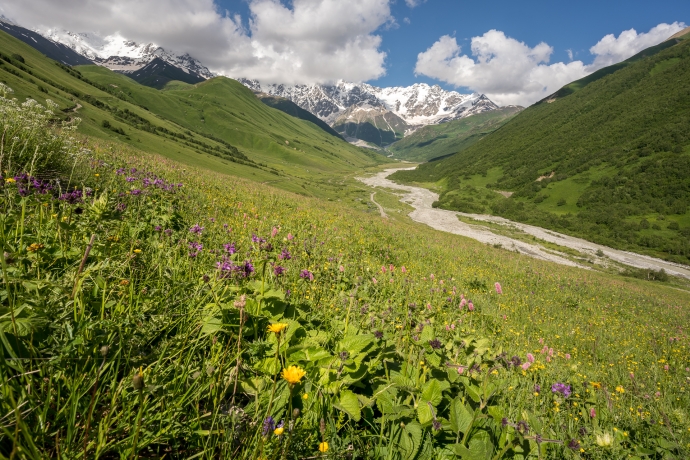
{"x": 434, "y": 141}
{"x": 609, "y": 162}
{"x": 218, "y": 124}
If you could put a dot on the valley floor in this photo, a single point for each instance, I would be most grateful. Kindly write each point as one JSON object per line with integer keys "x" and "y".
{"x": 491, "y": 231}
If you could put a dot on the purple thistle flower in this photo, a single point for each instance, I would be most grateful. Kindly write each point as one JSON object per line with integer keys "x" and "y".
{"x": 435, "y": 344}
{"x": 247, "y": 268}
{"x": 136, "y": 192}
{"x": 230, "y": 248}
{"x": 562, "y": 388}
{"x": 195, "y": 247}
{"x": 197, "y": 229}
{"x": 285, "y": 255}
{"x": 278, "y": 270}
{"x": 306, "y": 274}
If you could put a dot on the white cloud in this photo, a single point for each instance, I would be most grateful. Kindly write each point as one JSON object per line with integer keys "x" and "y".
{"x": 570, "y": 54}
{"x": 611, "y": 50}
{"x": 310, "y": 41}
{"x": 510, "y": 72}
{"x": 414, "y": 3}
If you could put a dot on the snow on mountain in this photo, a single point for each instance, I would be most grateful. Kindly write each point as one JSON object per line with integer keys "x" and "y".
{"x": 119, "y": 54}
{"x": 418, "y": 105}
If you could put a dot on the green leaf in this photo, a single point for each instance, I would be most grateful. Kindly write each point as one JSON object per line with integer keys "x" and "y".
{"x": 211, "y": 325}
{"x": 460, "y": 416}
{"x": 427, "y": 334}
{"x": 349, "y": 404}
{"x": 432, "y": 392}
{"x": 481, "y": 447}
{"x": 424, "y": 413}
{"x": 410, "y": 440}
{"x": 24, "y": 326}
{"x": 355, "y": 344}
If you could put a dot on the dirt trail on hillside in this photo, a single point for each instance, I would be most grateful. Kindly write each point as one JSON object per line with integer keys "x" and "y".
{"x": 383, "y": 213}
{"x": 447, "y": 221}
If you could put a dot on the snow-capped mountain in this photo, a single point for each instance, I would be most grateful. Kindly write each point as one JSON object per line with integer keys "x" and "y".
{"x": 122, "y": 55}
{"x": 419, "y": 104}
{"x": 378, "y": 115}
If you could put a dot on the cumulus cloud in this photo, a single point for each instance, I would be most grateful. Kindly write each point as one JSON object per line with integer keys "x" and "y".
{"x": 510, "y": 72}
{"x": 414, "y": 3}
{"x": 611, "y": 50}
{"x": 309, "y": 41}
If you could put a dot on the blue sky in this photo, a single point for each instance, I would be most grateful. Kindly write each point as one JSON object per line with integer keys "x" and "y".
{"x": 515, "y": 52}
{"x": 574, "y": 26}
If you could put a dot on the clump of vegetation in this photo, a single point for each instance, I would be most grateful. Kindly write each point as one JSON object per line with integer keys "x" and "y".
{"x": 151, "y": 310}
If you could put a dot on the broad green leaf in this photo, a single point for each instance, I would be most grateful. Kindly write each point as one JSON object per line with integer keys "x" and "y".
{"x": 349, "y": 404}
{"x": 355, "y": 344}
{"x": 481, "y": 447}
{"x": 268, "y": 366}
{"x": 432, "y": 392}
{"x": 424, "y": 413}
{"x": 460, "y": 416}
{"x": 410, "y": 440}
{"x": 24, "y": 326}
{"x": 427, "y": 334}
{"x": 211, "y": 325}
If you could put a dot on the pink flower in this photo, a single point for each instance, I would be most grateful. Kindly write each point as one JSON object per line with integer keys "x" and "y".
{"x": 470, "y": 306}
{"x": 373, "y": 280}
{"x": 592, "y": 412}
{"x": 383, "y": 269}
{"x": 290, "y": 237}
{"x": 530, "y": 357}
{"x": 526, "y": 366}
{"x": 550, "y": 351}
{"x": 428, "y": 306}
{"x": 544, "y": 350}
{"x": 274, "y": 232}
{"x": 391, "y": 268}
{"x": 341, "y": 268}
{"x": 463, "y": 302}
{"x": 505, "y": 317}
{"x": 391, "y": 280}
{"x": 431, "y": 276}
{"x": 403, "y": 269}
{"x": 541, "y": 341}
{"x": 461, "y": 369}
{"x": 666, "y": 368}
{"x": 567, "y": 356}
{"x": 452, "y": 326}
{"x": 548, "y": 359}
{"x": 497, "y": 285}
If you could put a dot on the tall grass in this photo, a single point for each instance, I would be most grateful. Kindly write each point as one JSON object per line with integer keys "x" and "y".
{"x": 148, "y": 310}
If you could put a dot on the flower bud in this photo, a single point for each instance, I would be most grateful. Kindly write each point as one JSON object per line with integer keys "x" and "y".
{"x": 295, "y": 412}
{"x": 138, "y": 381}
{"x": 104, "y": 350}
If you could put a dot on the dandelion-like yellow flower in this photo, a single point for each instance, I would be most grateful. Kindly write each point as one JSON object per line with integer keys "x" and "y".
{"x": 277, "y": 327}
{"x": 305, "y": 396}
{"x": 293, "y": 374}
{"x": 279, "y": 431}
{"x": 34, "y": 247}
{"x": 595, "y": 385}
{"x": 323, "y": 447}
{"x": 137, "y": 251}
{"x": 9, "y": 180}
{"x": 620, "y": 389}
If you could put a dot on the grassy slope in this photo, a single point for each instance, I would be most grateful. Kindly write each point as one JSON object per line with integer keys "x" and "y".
{"x": 220, "y": 108}
{"x": 435, "y": 141}
{"x": 176, "y": 318}
{"x": 620, "y": 152}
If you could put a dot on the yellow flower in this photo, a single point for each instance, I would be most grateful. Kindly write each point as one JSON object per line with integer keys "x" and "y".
{"x": 293, "y": 374}
{"x": 620, "y": 389}
{"x": 137, "y": 251}
{"x": 323, "y": 447}
{"x": 97, "y": 175}
{"x": 9, "y": 180}
{"x": 305, "y": 396}
{"x": 34, "y": 247}
{"x": 596, "y": 385}
{"x": 277, "y": 327}
{"x": 278, "y": 431}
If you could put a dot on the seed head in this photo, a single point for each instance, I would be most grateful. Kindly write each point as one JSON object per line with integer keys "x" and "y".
{"x": 138, "y": 380}
{"x": 104, "y": 350}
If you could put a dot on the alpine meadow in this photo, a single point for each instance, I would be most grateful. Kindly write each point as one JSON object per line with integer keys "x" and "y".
{"x": 191, "y": 268}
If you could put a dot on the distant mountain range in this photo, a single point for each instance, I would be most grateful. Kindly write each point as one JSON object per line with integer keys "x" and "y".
{"x": 376, "y": 115}
{"x": 357, "y": 111}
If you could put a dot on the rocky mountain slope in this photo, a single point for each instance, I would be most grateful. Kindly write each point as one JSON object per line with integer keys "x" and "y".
{"x": 378, "y": 115}
{"x": 122, "y": 55}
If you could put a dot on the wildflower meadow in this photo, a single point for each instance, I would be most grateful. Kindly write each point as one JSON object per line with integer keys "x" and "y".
{"x": 153, "y": 310}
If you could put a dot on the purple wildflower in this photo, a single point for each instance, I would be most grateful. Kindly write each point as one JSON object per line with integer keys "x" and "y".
{"x": 230, "y": 248}
{"x": 562, "y": 388}
{"x": 120, "y": 207}
{"x": 195, "y": 248}
{"x": 167, "y": 231}
{"x": 158, "y": 228}
{"x": 278, "y": 270}
{"x": 269, "y": 426}
{"x": 247, "y": 268}
{"x": 72, "y": 197}
{"x": 256, "y": 239}
{"x": 120, "y": 171}
{"x": 306, "y": 274}
{"x": 136, "y": 192}
{"x": 435, "y": 344}
{"x": 378, "y": 334}
{"x": 574, "y": 444}
{"x": 130, "y": 179}
{"x": 537, "y": 388}
{"x": 196, "y": 229}
{"x": 285, "y": 255}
